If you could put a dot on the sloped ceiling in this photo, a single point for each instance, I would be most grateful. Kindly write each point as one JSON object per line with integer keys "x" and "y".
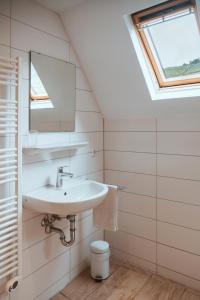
{"x": 60, "y": 5}
{"x": 100, "y": 37}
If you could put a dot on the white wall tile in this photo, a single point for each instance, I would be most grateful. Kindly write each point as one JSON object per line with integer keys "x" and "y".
{"x": 54, "y": 289}
{"x": 84, "y": 228}
{"x": 34, "y": 14}
{"x": 179, "y": 261}
{"x": 81, "y": 81}
{"x": 132, "y": 245}
{"x": 94, "y": 139}
{"x": 25, "y": 99}
{"x": 88, "y": 122}
{"x": 130, "y": 141}
{"x": 133, "y": 260}
{"x": 137, "y": 204}
{"x": 179, "y": 237}
{"x": 139, "y": 124}
{"x": 5, "y": 33}
{"x": 135, "y": 183}
{"x": 41, "y": 253}
{"x": 85, "y": 101}
{"x": 28, "y": 214}
{"x": 178, "y": 277}
{"x": 86, "y": 163}
{"x": 131, "y": 162}
{"x": 97, "y": 176}
{"x": 179, "y": 213}
{"x": 5, "y": 7}
{"x": 187, "y": 143}
{"x": 26, "y": 38}
{"x": 5, "y": 51}
{"x": 38, "y": 282}
{"x": 179, "y": 124}
{"x": 186, "y": 167}
{"x": 24, "y": 120}
{"x": 137, "y": 225}
{"x": 178, "y": 190}
{"x": 73, "y": 57}
{"x": 4, "y": 296}
{"x": 32, "y": 232}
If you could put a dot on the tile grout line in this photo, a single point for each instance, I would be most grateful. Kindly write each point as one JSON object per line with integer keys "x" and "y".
{"x": 104, "y": 232}
{"x": 156, "y": 121}
{"x": 152, "y": 131}
{"x": 153, "y": 153}
{"x": 10, "y": 87}
{"x": 154, "y": 175}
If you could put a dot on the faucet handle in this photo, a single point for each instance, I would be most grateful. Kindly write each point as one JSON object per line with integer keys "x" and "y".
{"x": 61, "y": 169}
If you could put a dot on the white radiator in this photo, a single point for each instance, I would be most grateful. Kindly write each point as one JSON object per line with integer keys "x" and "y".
{"x": 10, "y": 174}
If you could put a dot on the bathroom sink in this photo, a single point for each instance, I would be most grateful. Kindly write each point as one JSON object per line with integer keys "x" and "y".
{"x": 72, "y": 199}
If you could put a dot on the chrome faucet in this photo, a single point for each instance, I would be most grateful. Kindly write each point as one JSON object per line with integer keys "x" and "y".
{"x": 60, "y": 175}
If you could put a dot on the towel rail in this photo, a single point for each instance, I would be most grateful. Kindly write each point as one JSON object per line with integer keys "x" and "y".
{"x": 10, "y": 173}
{"x": 7, "y": 249}
{"x": 9, "y": 223}
{"x": 9, "y": 253}
{"x": 8, "y": 65}
{"x": 121, "y": 187}
{"x": 10, "y": 60}
{"x": 6, "y": 107}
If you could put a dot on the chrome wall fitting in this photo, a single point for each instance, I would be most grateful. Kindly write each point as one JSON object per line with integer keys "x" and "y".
{"x": 48, "y": 221}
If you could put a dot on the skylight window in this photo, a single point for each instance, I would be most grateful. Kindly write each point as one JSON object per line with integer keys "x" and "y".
{"x": 170, "y": 36}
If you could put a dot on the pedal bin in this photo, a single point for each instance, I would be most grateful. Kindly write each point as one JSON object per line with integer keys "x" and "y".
{"x": 100, "y": 254}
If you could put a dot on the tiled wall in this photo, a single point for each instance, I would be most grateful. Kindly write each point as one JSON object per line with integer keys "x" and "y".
{"x": 159, "y": 211}
{"x": 47, "y": 265}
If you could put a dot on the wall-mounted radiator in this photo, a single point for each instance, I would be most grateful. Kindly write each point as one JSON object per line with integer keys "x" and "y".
{"x": 10, "y": 174}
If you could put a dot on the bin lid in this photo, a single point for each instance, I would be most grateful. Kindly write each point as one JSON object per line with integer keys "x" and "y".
{"x": 99, "y": 247}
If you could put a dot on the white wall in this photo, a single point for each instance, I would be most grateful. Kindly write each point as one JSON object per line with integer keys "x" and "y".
{"x": 110, "y": 62}
{"x": 158, "y": 160}
{"x": 47, "y": 265}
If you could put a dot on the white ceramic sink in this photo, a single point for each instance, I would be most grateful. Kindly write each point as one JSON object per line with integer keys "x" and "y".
{"x": 68, "y": 200}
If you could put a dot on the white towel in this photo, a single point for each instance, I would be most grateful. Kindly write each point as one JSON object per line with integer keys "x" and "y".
{"x": 105, "y": 215}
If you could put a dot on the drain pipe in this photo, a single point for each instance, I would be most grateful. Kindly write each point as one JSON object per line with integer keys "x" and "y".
{"x": 48, "y": 221}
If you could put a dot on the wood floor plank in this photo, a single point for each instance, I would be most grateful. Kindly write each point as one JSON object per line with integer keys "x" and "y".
{"x": 59, "y": 297}
{"x": 126, "y": 283}
{"x": 123, "y": 284}
{"x": 82, "y": 286}
{"x": 158, "y": 288}
{"x": 190, "y": 295}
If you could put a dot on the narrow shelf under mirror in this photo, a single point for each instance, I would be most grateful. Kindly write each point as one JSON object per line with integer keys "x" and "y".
{"x": 47, "y": 148}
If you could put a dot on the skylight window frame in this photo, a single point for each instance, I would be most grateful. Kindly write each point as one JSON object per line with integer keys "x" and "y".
{"x": 150, "y": 56}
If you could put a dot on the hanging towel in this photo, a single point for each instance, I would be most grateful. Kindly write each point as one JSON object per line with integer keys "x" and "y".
{"x": 105, "y": 215}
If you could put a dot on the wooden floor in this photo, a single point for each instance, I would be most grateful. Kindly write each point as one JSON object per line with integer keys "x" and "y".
{"x": 125, "y": 283}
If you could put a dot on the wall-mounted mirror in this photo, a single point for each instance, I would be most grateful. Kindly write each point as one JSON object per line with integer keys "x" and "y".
{"x": 52, "y": 94}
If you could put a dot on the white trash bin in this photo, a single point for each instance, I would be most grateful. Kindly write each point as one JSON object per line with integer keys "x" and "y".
{"x": 100, "y": 254}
